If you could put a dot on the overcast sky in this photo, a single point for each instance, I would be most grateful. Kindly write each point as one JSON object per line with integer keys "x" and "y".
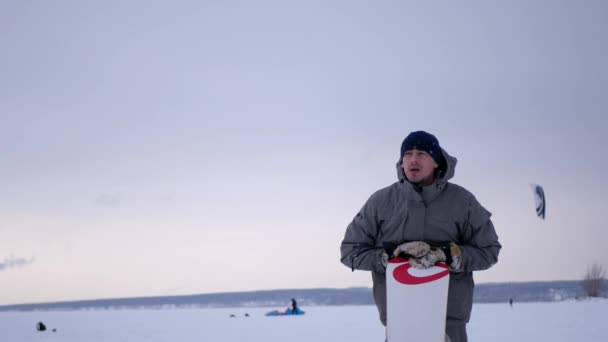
{"x": 164, "y": 148}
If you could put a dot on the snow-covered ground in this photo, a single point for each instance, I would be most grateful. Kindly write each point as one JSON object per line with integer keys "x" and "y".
{"x": 563, "y": 321}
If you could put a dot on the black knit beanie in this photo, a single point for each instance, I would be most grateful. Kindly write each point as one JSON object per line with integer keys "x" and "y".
{"x": 422, "y": 141}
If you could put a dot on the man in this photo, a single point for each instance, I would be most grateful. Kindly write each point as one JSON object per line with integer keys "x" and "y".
{"x": 294, "y": 307}
{"x": 431, "y": 220}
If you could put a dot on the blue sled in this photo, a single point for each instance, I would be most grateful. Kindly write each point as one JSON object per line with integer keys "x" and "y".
{"x": 287, "y": 312}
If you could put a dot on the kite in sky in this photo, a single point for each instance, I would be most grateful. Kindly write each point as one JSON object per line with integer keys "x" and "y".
{"x": 539, "y": 200}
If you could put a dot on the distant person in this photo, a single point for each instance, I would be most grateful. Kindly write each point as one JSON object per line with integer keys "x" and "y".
{"x": 430, "y": 219}
{"x": 294, "y": 307}
{"x": 40, "y": 326}
{"x": 511, "y": 302}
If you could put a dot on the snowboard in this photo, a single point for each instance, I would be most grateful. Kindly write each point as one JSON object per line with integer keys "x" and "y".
{"x": 416, "y": 302}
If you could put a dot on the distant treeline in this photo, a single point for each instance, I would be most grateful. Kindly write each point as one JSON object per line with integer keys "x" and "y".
{"x": 484, "y": 293}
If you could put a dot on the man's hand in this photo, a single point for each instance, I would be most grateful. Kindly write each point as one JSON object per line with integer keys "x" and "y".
{"x": 434, "y": 256}
{"x": 384, "y": 259}
{"x": 416, "y": 249}
{"x": 453, "y": 256}
{"x": 449, "y": 253}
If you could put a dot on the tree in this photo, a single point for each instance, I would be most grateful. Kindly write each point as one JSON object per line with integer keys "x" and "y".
{"x": 593, "y": 284}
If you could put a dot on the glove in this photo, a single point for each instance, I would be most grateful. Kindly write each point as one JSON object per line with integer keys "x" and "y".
{"x": 415, "y": 249}
{"x": 434, "y": 256}
{"x": 384, "y": 259}
{"x": 453, "y": 256}
{"x": 450, "y": 253}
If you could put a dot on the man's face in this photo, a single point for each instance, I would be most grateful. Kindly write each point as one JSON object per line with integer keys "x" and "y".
{"x": 419, "y": 167}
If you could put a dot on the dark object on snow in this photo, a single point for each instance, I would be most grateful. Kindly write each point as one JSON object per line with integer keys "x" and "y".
{"x": 54, "y": 330}
{"x": 40, "y": 326}
{"x": 232, "y": 315}
{"x": 246, "y": 314}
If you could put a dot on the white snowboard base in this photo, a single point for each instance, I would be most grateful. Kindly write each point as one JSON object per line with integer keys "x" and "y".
{"x": 416, "y": 302}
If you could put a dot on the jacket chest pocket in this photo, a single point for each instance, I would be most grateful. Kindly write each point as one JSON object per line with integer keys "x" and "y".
{"x": 441, "y": 230}
{"x": 392, "y": 226}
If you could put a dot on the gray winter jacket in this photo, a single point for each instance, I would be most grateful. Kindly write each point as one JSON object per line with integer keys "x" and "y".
{"x": 441, "y": 212}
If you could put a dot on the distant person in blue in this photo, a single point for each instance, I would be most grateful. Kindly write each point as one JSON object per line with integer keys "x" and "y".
{"x": 293, "y": 310}
{"x": 430, "y": 219}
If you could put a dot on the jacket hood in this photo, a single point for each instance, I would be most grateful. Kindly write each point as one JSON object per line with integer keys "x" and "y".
{"x": 447, "y": 168}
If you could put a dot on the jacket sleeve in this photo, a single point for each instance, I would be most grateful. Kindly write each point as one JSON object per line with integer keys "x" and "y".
{"x": 480, "y": 246}
{"x": 358, "y": 249}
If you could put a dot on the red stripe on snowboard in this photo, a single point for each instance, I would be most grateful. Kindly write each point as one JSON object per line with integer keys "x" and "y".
{"x": 402, "y": 274}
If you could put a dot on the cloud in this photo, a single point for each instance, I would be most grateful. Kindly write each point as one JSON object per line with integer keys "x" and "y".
{"x": 15, "y": 262}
